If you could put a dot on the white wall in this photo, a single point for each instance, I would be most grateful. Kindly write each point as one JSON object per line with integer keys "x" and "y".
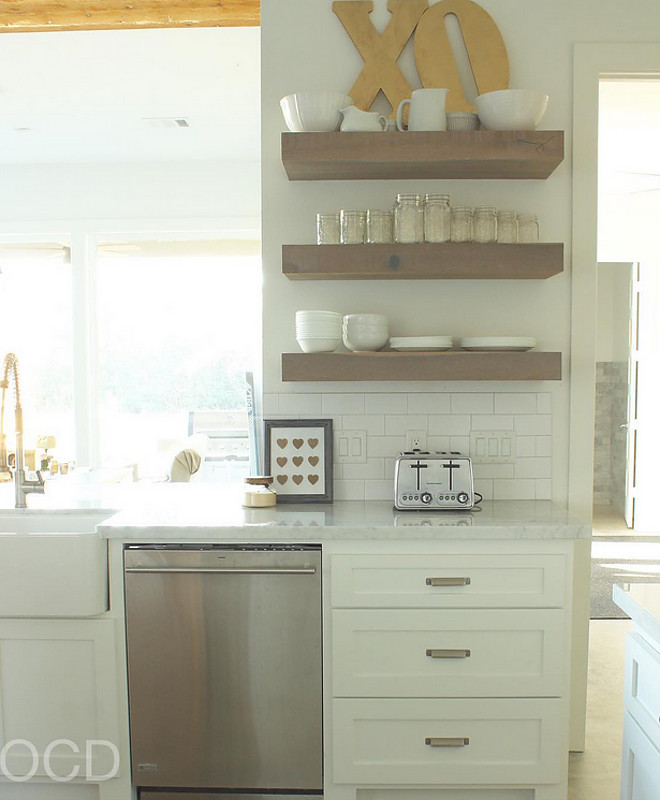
{"x": 305, "y": 47}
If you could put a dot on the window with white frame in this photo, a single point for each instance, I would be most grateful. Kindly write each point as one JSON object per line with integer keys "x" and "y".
{"x": 159, "y": 349}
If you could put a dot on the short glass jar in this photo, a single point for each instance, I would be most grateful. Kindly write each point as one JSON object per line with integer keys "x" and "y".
{"x": 484, "y": 225}
{"x": 461, "y": 224}
{"x": 353, "y": 226}
{"x": 408, "y": 219}
{"x": 507, "y": 227}
{"x": 327, "y": 229}
{"x": 437, "y": 218}
{"x": 380, "y": 226}
{"x": 528, "y": 228}
{"x": 258, "y": 493}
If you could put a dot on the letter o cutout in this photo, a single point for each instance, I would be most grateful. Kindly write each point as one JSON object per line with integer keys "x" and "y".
{"x": 485, "y": 47}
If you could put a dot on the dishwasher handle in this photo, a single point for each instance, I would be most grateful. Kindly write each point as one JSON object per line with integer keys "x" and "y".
{"x": 227, "y": 570}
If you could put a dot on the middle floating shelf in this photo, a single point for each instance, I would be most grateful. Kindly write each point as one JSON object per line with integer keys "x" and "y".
{"x": 449, "y": 260}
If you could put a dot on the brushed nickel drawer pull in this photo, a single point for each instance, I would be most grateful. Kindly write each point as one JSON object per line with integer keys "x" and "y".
{"x": 432, "y": 653}
{"x": 447, "y": 742}
{"x": 448, "y": 581}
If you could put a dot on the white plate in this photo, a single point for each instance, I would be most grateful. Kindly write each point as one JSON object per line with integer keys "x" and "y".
{"x": 421, "y": 343}
{"x": 497, "y": 343}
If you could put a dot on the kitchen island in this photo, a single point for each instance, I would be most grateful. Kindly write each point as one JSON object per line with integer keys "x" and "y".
{"x": 640, "y": 772}
{"x": 495, "y": 585}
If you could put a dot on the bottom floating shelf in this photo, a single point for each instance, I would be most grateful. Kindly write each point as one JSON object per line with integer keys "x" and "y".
{"x": 450, "y": 365}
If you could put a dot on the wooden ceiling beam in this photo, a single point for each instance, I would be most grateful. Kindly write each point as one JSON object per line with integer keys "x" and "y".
{"x": 30, "y": 16}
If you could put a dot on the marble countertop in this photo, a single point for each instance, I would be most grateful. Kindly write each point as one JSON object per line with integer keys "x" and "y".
{"x": 209, "y": 512}
{"x": 641, "y": 602}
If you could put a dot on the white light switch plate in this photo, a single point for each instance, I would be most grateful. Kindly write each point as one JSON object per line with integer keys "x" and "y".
{"x": 493, "y": 447}
{"x": 350, "y": 447}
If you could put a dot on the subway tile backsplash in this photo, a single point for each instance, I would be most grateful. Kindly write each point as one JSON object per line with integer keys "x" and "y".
{"x": 447, "y": 418}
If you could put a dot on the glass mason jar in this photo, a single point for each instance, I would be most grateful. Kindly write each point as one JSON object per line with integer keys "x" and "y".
{"x": 437, "y": 218}
{"x": 507, "y": 227}
{"x": 461, "y": 224}
{"x": 353, "y": 225}
{"x": 380, "y": 225}
{"x": 484, "y": 225}
{"x": 528, "y": 228}
{"x": 327, "y": 229}
{"x": 408, "y": 218}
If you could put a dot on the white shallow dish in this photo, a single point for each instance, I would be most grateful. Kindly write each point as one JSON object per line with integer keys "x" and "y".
{"x": 421, "y": 343}
{"x": 497, "y": 343}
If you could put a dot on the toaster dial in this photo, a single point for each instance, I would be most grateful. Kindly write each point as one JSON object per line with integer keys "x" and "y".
{"x": 426, "y": 498}
{"x": 462, "y": 498}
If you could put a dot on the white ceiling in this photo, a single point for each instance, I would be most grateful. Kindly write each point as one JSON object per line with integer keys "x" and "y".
{"x": 629, "y": 135}
{"x": 88, "y": 96}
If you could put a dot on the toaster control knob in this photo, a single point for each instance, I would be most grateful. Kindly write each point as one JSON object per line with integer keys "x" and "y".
{"x": 462, "y": 498}
{"x": 426, "y": 498}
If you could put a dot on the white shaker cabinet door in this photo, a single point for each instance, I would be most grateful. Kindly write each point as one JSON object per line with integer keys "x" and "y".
{"x": 642, "y": 686}
{"x": 58, "y": 682}
{"x": 640, "y": 767}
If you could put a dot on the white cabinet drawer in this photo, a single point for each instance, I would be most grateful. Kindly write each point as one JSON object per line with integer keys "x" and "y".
{"x": 640, "y": 767}
{"x": 486, "y": 742}
{"x": 448, "y": 653}
{"x": 642, "y": 686}
{"x": 449, "y": 581}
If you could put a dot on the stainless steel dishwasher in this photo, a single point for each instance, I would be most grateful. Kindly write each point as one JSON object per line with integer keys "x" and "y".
{"x": 224, "y": 670}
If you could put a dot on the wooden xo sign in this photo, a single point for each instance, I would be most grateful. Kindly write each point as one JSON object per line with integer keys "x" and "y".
{"x": 433, "y": 54}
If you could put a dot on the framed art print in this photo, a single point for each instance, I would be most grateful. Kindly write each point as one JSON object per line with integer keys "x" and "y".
{"x": 298, "y": 454}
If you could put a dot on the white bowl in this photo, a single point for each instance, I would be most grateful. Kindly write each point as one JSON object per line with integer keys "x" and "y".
{"x": 365, "y": 340}
{"x": 314, "y": 111}
{"x": 318, "y": 344}
{"x": 365, "y": 319}
{"x": 511, "y": 109}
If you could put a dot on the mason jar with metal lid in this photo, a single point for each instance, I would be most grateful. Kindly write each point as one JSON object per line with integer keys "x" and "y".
{"x": 507, "y": 227}
{"x": 461, "y": 224}
{"x": 528, "y": 228}
{"x": 408, "y": 218}
{"x": 484, "y": 225}
{"x": 437, "y": 218}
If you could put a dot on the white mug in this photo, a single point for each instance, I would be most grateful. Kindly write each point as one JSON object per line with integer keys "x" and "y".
{"x": 427, "y": 111}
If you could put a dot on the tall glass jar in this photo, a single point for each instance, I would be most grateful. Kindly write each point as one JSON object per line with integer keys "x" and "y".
{"x": 353, "y": 226}
{"x": 380, "y": 224}
{"x": 507, "y": 227}
{"x": 327, "y": 229}
{"x": 461, "y": 224}
{"x": 437, "y": 218}
{"x": 484, "y": 225}
{"x": 528, "y": 228}
{"x": 408, "y": 218}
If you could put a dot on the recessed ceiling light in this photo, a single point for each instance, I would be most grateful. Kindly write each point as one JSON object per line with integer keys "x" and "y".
{"x": 23, "y": 130}
{"x": 167, "y": 122}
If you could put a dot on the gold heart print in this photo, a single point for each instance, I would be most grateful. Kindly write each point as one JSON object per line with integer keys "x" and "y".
{"x": 282, "y": 479}
{"x": 282, "y": 443}
{"x": 281, "y": 460}
{"x": 312, "y": 479}
{"x": 313, "y": 460}
{"x": 312, "y": 443}
{"x": 298, "y": 443}
{"x": 297, "y": 479}
{"x": 297, "y": 460}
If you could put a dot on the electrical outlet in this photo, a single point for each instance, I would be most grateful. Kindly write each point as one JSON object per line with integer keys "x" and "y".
{"x": 493, "y": 447}
{"x": 415, "y": 440}
{"x": 350, "y": 447}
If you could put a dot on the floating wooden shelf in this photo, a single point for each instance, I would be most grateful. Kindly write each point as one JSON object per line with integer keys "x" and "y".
{"x": 450, "y": 365}
{"x": 422, "y": 154}
{"x": 451, "y": 260}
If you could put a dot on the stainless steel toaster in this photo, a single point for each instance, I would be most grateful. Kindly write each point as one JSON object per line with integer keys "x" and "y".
{"x": 433, "y": 481}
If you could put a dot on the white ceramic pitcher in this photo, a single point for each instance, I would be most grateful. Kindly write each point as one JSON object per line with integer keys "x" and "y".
{"x": 427, "y": 111}
{"x": 355, "y": 119}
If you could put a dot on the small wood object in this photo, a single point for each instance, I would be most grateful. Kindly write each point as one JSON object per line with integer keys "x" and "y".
{"x": 379, "y": 51}
{"x": 484, "y": 44}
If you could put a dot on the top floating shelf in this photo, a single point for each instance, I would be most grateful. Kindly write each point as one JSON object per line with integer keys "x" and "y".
{"x": 422, "y": 154}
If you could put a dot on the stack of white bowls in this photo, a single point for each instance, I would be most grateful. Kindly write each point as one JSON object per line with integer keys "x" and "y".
{"x": 365, "y": 332}
{"x": 318, "y": 331}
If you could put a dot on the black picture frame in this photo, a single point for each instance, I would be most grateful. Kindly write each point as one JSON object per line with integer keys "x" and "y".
{"x": 298, "y": 453}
